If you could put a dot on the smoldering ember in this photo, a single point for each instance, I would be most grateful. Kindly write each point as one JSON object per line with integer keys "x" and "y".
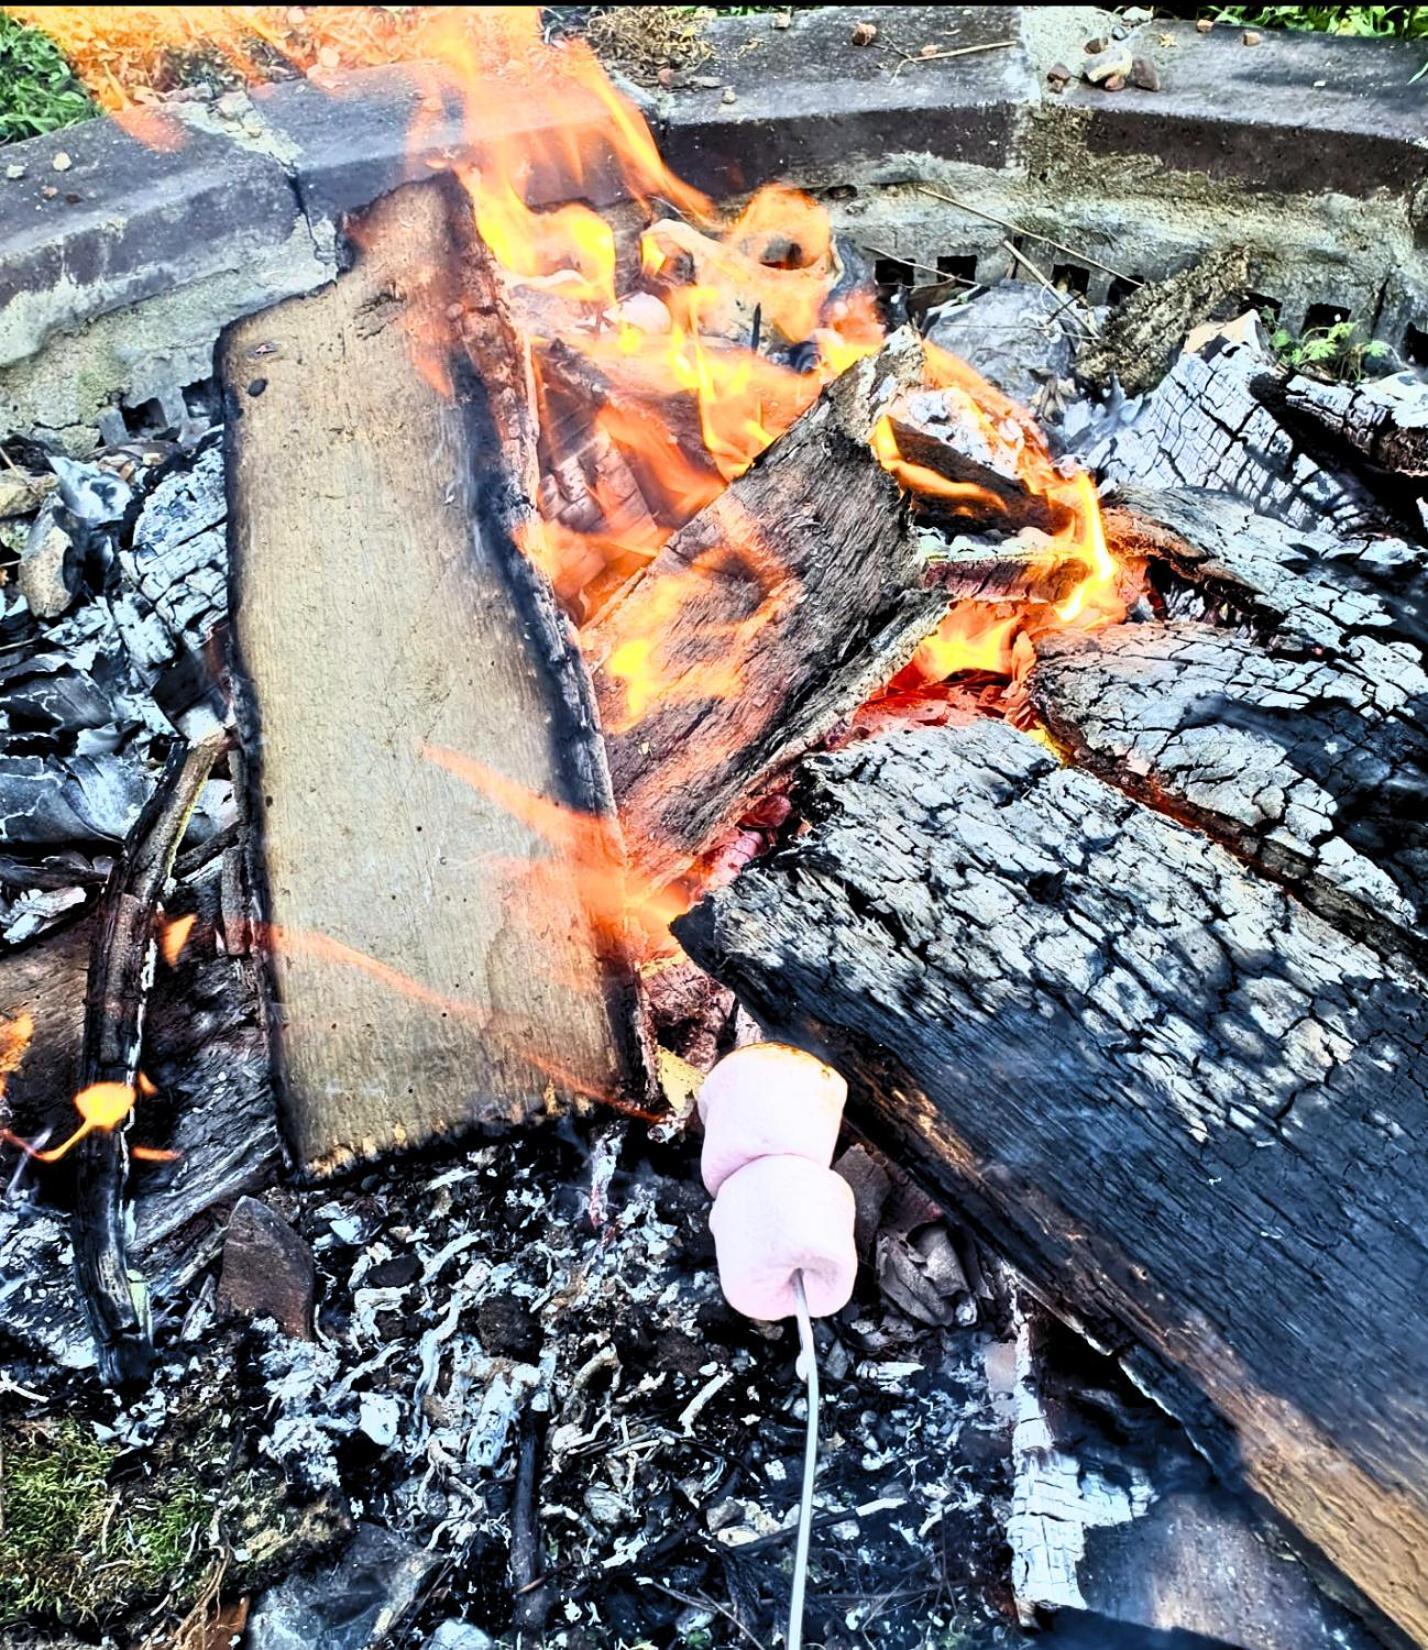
{"x": 713, "y": 828}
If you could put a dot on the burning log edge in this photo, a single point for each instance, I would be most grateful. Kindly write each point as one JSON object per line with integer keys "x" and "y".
{"x": 393, "y": 410}
{"x": 1186, "y": 1107}
{"x": 121, "y": 971}
{"x": 801, "y": 588}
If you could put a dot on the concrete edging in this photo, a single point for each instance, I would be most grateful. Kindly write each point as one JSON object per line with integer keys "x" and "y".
{"x": 245, "y": 211}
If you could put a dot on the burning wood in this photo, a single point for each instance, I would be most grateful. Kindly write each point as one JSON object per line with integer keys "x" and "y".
{"x": 428, "y": 975}
{"x": 770, "y": 616}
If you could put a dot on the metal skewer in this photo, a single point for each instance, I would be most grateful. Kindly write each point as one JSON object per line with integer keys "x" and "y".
{"x": 809, "y": 1363}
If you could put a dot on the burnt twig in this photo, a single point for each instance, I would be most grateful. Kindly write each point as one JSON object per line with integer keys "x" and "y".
{"x": 121, "y": 970}
{"x": 531, "y": 1595}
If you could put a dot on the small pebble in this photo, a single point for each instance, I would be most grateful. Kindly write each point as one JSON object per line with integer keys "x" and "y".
{"x": 1099, "y": 44}
{"x": 705, "y": 82}
{"x": 257, "y": 387}
{"x": 1319, "y": 85}
{"x": 665, "y": 77}
{"x": 49, "y": 191}
{"x": 783, "y": 20}
{"x": 730, "y": 95}
{"x": 1113, "y": 63}
{"x": 1204, "y": 25}
{"x": 864, "y": 34}
{"x": 1114, "y": 83}
{"x": 1145, "y": 75}
{"x": 1251, "y": 37}
{"x": 61, "y": 162}
{"x": 13, "y": 172}
{"x": 1058, "y": 74}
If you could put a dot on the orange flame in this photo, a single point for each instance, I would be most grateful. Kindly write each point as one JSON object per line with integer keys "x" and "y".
{"x": 174, "y": 936}
{"x": 586, "y": 855}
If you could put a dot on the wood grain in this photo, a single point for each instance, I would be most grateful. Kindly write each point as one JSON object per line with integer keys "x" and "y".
{"x": 434, "y": 964}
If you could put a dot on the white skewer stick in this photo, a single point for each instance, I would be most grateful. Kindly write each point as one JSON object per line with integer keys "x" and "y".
{"x": 808, "y": 1359}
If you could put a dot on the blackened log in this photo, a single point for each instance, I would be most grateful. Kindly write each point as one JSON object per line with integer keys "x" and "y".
{"x": 766, "y": 619}
{"x": 1302, "y": 764}
{"x": 1385, "y": 421}
{"x": 435, "y": 963}
{"x": 121, "y": 970}
{"x": 1296, "y": 732}
{"x": 1115, "y": 1518}
{"x": 1185, "y": 1106}
{"x": 1206, "y": 425}
{"x": 936, "y": 431}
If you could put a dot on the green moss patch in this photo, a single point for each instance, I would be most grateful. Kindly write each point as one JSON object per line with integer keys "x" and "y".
{"x": 77, "y": 1545}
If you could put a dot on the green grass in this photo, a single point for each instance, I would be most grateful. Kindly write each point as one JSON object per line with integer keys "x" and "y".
{"x": 1400, "y": 22}
{"x": 74, "y": 1545}
{"x": 37, "y": 91}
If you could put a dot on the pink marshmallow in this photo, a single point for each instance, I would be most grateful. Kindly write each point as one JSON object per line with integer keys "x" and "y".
{"x": 777, "y": 1216}
{"x": 768, "y": 1100}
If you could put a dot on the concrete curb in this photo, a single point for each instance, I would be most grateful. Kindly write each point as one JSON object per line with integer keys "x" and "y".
{"x": 245, "y": 211}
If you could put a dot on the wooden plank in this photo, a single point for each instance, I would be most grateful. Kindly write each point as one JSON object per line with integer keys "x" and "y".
{"x": 772, "y": 614}
{"x": 435, "y": 965}
{"x": 1190, "y": 1110}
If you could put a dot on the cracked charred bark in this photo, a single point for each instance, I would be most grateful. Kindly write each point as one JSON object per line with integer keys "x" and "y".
{"x": 1188, "y": 1108}
{"x": 1296, "y": 737}
{"x": 1206, "y": 424}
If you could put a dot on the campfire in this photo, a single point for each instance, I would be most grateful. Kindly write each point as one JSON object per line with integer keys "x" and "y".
{"x": 591, "y": 680}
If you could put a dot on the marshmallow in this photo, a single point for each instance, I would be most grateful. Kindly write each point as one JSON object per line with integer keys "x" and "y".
{"x": 768, "y": 1100}
{"x": 777, "y": 1216}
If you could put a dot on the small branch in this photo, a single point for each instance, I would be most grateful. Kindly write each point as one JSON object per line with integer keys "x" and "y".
{"x": 121, "y": 970}
{"x": 1017, "y": 229}
{"x": 1039, "y": 277}
{"x": 528, "y": 1581}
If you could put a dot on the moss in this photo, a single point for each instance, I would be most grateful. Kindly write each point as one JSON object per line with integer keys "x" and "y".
{"x": 79, "y": 1544}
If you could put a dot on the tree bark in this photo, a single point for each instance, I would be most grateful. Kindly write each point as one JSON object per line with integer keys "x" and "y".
{"x": 1186, "y": 1107}
{"x": 1206, "y": 424}
{"x": 435, "y": 963}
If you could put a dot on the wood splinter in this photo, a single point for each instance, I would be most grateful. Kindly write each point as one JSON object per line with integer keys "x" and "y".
{"x": 121, "y": 971}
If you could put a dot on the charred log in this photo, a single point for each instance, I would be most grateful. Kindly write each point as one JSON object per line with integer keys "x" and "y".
{"x": 391, "y": 638}
{"x": 1184, "y": 1105}
{"x": 205, "y": 1052}
{"x": 766, "y": 619}
{"x": 1206, "y": 424}
{"x": 1385, "y": 421}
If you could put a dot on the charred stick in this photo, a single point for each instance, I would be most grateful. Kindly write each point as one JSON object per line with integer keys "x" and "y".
{"x": 532, "y": 1597}
{"x": 121, "y": 970}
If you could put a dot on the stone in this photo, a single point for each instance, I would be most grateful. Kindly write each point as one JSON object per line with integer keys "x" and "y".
{"x": 48, "y": 575}
{"x": 267, "y": 1270}
{"x": 1115, "y": 61}
{"x": 1144, "y": 75}
{"x": 1251, "y": 37}
{"x": 864, "y": 34}
{"x": 353, "y": 1605}
{"x": 459, "y": 1635}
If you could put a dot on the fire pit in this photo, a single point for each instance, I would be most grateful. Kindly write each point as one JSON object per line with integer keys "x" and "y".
{"x": 515, "y": 599}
